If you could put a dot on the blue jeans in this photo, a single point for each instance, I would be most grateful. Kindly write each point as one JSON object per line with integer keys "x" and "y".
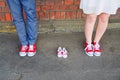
{"x": 27, "y": 30}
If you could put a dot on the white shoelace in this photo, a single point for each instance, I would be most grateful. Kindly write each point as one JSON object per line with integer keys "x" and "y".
{"x": 24, "y": 47}
{"x": 89, "y": 46}
{"x": 97, "y": 46}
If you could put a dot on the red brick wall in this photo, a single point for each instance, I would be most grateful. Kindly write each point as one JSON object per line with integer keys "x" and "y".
{"x": 50, "y": 10}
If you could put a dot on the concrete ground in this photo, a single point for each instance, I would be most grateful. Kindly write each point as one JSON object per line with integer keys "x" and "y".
{"x": 46, "y": 66}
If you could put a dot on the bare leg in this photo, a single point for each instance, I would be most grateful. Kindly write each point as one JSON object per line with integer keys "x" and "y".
{"x": 89, "y": 25}
{"x": 101, "y": 27}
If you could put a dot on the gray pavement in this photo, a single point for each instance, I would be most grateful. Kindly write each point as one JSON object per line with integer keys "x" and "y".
{"x": 46, "y": 66}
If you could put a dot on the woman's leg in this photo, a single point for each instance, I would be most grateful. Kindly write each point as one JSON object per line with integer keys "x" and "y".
{"x": 89, "y": 26}
{"x": 101, "y": 27}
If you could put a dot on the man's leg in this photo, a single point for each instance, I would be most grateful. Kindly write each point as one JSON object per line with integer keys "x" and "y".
{"x": 16, "y": 10}
{"x": 31, "y": 20}
{"x": 32, "y": 24}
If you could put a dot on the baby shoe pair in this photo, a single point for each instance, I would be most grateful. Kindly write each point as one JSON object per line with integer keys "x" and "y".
{"x": 62, "y": 52}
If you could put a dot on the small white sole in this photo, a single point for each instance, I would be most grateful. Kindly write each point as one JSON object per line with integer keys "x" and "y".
{"x": 30, "y": 54}
{"x": 62, "y": 56}
{"x": 22, "y": 54}
{"x": 65, "y": 56}
{"x": 59, "y": 56}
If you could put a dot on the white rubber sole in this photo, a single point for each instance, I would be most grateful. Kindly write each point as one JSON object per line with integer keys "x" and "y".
{"x": 30, "y": 54}
{"x": 22, "y": 54}
{"x": 97, "y": 53}
{"x": 90, "y": 53}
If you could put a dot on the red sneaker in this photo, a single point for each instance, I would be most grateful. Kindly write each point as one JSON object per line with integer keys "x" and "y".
{"x": 31, "y": 50}
{"x": 89, "y": 49}
{"x": 23, "y": 50}
{"x": 97, "y": 49}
